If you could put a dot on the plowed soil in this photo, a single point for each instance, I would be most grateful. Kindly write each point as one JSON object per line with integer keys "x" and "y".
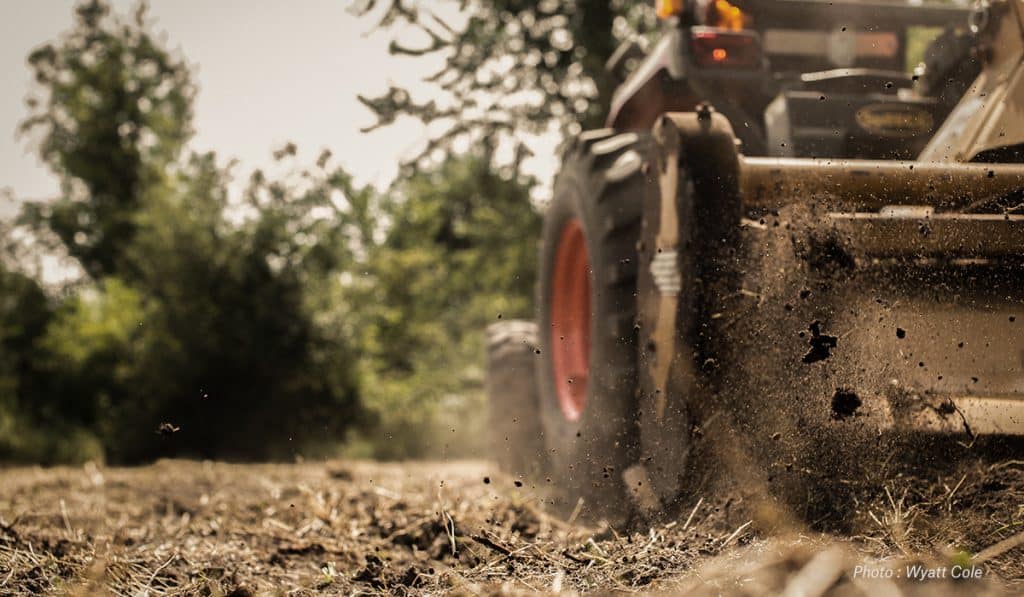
{"x": 180, "y": 527}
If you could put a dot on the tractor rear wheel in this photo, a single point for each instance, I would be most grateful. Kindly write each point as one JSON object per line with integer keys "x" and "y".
{"x": 517, "y": 441}
{"x": 587, "y": 328}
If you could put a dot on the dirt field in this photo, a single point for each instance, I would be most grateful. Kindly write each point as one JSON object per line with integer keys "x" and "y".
{"x": 342, "y": 528}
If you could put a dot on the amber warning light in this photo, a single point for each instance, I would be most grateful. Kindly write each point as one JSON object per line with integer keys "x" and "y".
{"x": 668, "y": 8}
{"x": 716, "y": 47}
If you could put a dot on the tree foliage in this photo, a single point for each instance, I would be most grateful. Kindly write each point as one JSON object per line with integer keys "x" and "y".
{"x": 200, "y": 314}
{"x": 115, "y": 113}
{"x": 512, "y": 67}
{"x": 460, "y": 252}
{"x": 25, "y": 311}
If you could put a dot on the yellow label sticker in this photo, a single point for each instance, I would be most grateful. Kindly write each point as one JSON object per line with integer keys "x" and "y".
{"x": 894, "y": 120}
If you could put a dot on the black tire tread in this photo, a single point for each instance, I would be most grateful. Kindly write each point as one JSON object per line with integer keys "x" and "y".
{"x": 588, "y": 457}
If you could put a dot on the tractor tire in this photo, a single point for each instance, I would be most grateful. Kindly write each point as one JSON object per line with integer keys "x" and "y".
{"x": 517, "y": 444}
{"x": 586, "y": 312}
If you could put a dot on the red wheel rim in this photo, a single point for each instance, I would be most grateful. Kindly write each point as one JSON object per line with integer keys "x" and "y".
{"x": 570, "y": 320}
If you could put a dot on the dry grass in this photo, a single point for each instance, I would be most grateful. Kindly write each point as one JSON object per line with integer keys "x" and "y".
{"x": 185, "y": 528}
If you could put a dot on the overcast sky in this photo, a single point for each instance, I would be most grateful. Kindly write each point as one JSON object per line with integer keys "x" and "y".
{"x": 268, "y": 72}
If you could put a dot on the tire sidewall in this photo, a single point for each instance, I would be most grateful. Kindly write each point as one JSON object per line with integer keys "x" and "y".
{"x": 587, "y": 456}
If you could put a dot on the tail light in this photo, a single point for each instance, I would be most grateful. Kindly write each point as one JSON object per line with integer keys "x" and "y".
{"x": 715, "y": 47}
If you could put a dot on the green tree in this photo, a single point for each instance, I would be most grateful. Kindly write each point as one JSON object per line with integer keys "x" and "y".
{"x": 25, "y": 311}
{"x": 225, "y": 322}
{"x": 259, "y": 355}
{"x": 235, "y": 334}
{"x": 459, "y": 253}
{"x": 115, "y": 113}
{"x": 512, "y": 67}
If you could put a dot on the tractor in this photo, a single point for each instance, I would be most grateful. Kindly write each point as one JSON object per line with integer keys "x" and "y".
{"x": 788, "y": 257}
